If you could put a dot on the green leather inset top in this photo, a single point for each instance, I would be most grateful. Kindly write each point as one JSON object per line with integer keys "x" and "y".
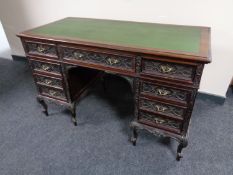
{"x": 144, "y": 35}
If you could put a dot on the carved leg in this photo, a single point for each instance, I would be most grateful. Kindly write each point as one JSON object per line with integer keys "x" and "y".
{"x": 73, "y": 113}
{"x": 134, "y": 136}
{"x": 183, "y": 143}
{"x": 44, "y": 105}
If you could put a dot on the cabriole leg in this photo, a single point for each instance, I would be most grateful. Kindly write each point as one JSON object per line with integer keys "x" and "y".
{"x": 134, "y": 136}
{"x": 73, "y": 113}
{"x": 183, "y": 143}
{"x": 44, "y": 105}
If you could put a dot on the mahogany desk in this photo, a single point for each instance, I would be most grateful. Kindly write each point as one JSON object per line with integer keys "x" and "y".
{"x": 165, "y": 63}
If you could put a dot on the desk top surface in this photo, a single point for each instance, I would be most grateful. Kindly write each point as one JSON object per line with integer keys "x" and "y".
{"x": 187, "y": 40}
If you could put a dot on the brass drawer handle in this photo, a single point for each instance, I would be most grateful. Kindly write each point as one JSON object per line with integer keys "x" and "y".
{"x": 112, "y": 61}
{"x": 41, "y": 49}
{"x": 163, "y": 92}
{"x": 160, "y": 108}
{"x": 52, "y": 92}
{"x": 45, "y": 67}
{"x": 47, "y": 81}
{"x": 159, "y": 121}
{"x": 166, "y": 68}
{"x": 78, "y": 55}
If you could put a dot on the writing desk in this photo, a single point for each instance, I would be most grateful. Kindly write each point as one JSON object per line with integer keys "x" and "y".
{"x": 165, "y": 63}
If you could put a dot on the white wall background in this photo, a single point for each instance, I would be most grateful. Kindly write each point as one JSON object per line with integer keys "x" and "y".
{"x": 20, "y": 15}
{"x": 5, "y": 51}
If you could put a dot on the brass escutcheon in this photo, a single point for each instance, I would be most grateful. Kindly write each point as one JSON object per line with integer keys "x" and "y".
{"x": 47, "y": 81}
{"x": 160, "y": 108}
{"x": 112, "y": 61}
{"x": 159, "y": 121}
{"x": 40, "y": 49}
{"x": 52, "y": 92}
{"x": 163, "y": 92}
{"x": 45, "y": 67}
{"x": 166, "y": 68}
{"x": 78, "y": 55}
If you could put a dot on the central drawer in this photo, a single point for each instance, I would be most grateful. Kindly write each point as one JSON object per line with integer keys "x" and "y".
{"x": 99, "y": 58}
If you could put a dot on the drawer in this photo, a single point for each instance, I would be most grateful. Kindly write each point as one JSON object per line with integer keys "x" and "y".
{"x": 100, "y": 59}
{"x": 41, "y": 49}
{"x": 162, "y": 108}
{"x": 166, "y": 92}
{"x": 45, "y": 67}
{"x": 48, "y": 81}
{"x": 168, "y": 70}
{"x": 53, "y": 93}
{"x": 158, "y": 121}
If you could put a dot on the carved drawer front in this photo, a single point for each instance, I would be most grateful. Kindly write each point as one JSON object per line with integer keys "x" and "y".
{"x": 51, "y": 92}
{"x": 162, "y": 108}
{"x": 168, "y": 70}
{"x": 160, "y": 122}
{"x": 46, "y": 67}
{"x": 41, "y": 49}
{"x": 103, "y": 59}
{"x": 48, "y": 81}
{"x": 165, "y": 92}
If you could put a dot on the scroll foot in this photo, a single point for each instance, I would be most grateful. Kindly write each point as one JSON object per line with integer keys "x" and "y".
{"x": 73, "y": 113}
{"x": 134, "y": 136}
{"x": 183, "y": 143}
{"x": 44, "y": 105}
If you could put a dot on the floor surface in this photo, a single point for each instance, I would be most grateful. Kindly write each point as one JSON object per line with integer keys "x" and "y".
{"x": 33, "y": 144}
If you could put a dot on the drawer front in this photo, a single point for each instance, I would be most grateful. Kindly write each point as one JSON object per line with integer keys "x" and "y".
{"x": 168, "y": 70}
{"x": 47, "y": 81}
{"x": 166, "y": 92}
{"x": 103, "y": 59}
{"x": 46, "y": 67}
{"x": 159, "y": 121}
{"x": 162, "y": 108}
{"x": 54, "y": 93}
{"x": 41, "y": 49}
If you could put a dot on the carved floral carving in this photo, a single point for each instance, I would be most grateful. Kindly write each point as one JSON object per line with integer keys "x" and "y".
{"x": 98, "y": 58}
{"x": 41, "y": 49}
{"x": 46, "y": 67}
{"x": 49, "y": 81}
{"x": 160, "y": 120}
{"x": 162, "y": 108}
{"x": 165, "y": 92}
{"x": 52, "y": 92}
{"x": 169, "y": 69}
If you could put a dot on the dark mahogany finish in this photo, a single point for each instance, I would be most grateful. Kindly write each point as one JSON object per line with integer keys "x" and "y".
{"x": 165, "y": 82}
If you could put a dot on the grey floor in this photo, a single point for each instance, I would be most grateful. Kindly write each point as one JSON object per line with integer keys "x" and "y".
{"x": 32, "y": 144}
